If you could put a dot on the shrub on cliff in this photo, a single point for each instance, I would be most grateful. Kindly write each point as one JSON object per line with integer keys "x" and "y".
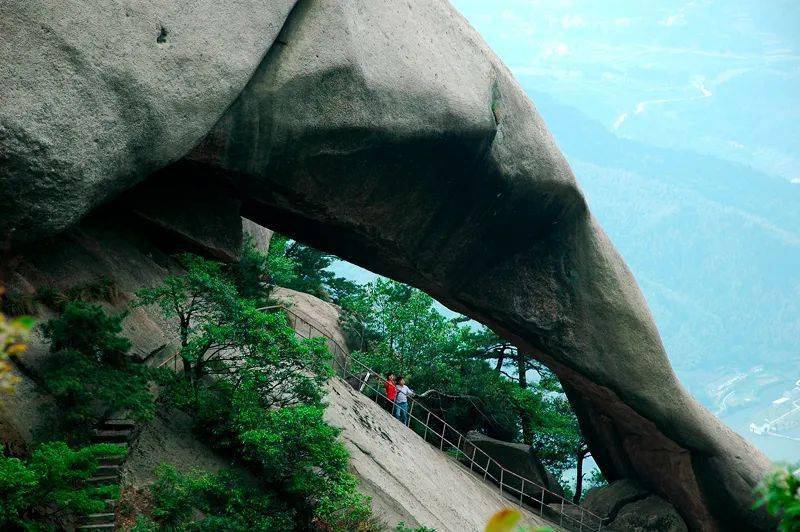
{"x": 89, "y": 372}
{"x": 50, "y": 487}
{"x": 208, "y": 501}
{"x": 779, "y": 493}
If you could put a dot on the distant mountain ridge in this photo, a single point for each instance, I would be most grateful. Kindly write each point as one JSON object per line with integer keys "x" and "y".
{"x": 714, "y": 244}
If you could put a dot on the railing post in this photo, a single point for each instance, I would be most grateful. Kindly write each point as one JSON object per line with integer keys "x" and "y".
{"x": 580, "y": 524}
{"x": 472, "y": 460}
{"x": 501, "y": 480}
{"x": 486, "y": 471}
{"x": 441, "y": 438}
{"x": 521, "y": 491}
{"x": 427, "y": 420}
{"x": 561, "y": 514}
{"x": 541, "y": 505}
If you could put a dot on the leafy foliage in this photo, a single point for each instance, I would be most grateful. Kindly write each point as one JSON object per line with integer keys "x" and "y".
{"x": 251, "y": 273}
{"x": 224, "y": 334}
{"x": 89, "y": 372}
{"x": 51, "y": 486}
{"x": 779, "y": 493}
{"x": 224, "y": 501}
{"x": 13, "y": 334}
{"x": 303, "y": 268}
{"x": 594, "y": 480}
{"x": 280, "y": 266}
{"x": 255, "y": 392}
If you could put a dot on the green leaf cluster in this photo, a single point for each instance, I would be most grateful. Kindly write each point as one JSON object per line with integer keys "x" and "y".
{"x": 305, "y": 269}
{"x": 45, "y": 491}
{"x": 89, "y": 374}
{"x": 779, "y": 493}
{"x": 227, "y": 337}
{"x": 204, "y": 501}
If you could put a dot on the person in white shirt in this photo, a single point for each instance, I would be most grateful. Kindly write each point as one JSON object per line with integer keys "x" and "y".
{"x": 401, "y": 401}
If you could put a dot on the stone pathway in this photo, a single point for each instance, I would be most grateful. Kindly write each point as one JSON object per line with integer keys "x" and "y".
{"x": 119, "y": 432}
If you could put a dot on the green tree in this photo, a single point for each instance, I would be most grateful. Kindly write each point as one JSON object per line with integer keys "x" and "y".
{"x": 303, "y": 268}
{"x": 280, "y": 267}
{"x": 251, "y": 273}
{"x": 89, "y": 373}
{"x": 255, "y": 391}
{"x": 223, "y": 333}
{"x": 51, "y": 487}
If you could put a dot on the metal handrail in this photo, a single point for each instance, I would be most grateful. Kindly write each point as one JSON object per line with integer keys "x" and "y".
{"x": 501, "y": 474}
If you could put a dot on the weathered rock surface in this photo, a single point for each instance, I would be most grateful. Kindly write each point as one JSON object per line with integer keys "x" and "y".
{"x": 202, "y": 213}
{"x": 317, "y": 318}
{"x": 608, "y": 500}
{"x": 97, "y": 95}
{"x": 520, "y": 459}
{"x": 387, "y": 133}
{"x": 652, "y": 513}
{"x": 261, "y": 235}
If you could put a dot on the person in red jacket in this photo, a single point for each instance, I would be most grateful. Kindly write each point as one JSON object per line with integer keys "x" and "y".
{"x": 391, "y": 391}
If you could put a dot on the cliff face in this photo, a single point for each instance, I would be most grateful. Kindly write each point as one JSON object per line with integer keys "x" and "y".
{"x": 386, "y": 133}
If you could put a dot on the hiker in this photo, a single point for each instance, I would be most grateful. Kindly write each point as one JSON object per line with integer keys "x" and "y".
{"x": 391, "y": 391}
{"x": 401, "y": 401}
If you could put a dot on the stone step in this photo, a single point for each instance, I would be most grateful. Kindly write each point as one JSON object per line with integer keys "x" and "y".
{"x": 98, "y": 519}
{"x": 103, "y": 480}
{"x": 111, "y": 436}
{"x": 118, "y": 424}
{"x": 115, "y": 460}
{"x": 106, "y": 526}
{"x": 107, "y": 470}
{"x": 112, "y": 461}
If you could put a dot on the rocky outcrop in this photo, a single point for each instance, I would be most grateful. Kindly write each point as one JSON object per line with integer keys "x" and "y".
{"x": 387, "y": 133}
{"x": 261, "y": 235}
{"x": 97, "y": 96}
{"x": 652, "y": 513}
{"x": 202, "y": 213}
{"x": 520, "y": 459}
{"x": 608, "y": 500}
{"x": 432, "y": 167}
{"x": 624, "y": 505}
{"x": 312, "y": 317}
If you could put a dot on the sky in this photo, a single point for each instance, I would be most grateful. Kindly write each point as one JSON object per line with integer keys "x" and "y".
{"x": 716, "y": 77}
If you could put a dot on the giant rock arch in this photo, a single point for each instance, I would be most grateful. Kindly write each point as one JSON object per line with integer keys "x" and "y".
{"x": 388, "y": 133}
